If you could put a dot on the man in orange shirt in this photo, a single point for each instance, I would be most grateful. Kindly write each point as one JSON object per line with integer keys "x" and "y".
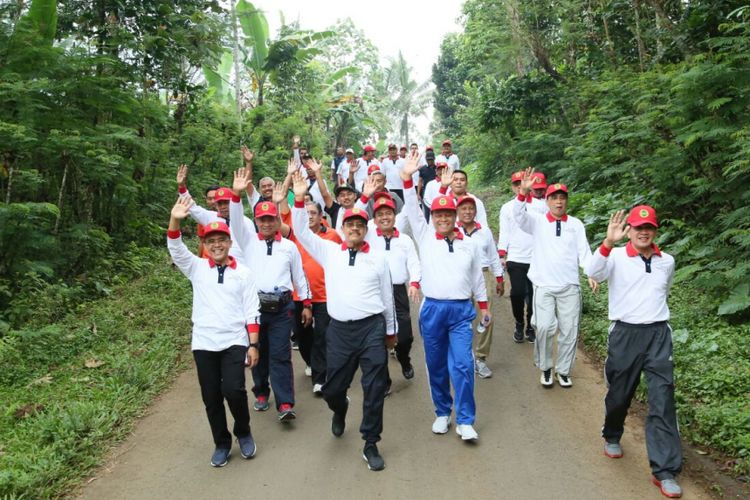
{"x": 310, "y": 330}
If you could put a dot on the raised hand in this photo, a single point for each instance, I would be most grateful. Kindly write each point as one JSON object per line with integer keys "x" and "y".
{"x": 527, "y": 181}
{"x": 368, "y": 188}
{"x": 181, "y": 208}
{"x": 299, "y": 186}
{"x": 279, "y": 193}
{"x": 182, "y": 174}
{"x": 447, "y": 177}
{"x": 291, "y": 167}
{"x": 295, "y": 142}
{"x": 617, "y": 228}
{"x": 247, "y": 155}
{"x": 313, "y": 165}
{"x": 411, "y": 166}
{"x": 241, "y": 180}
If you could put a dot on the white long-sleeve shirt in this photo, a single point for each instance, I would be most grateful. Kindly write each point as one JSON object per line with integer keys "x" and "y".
{"x": 358, "y": 283}
{"x": 392, "y": 170}
{"x": 481, "y": 215}
{"x": 431, "y": 191}
{"x": 513, "y": 243}
{"x": 638, "y": 290}
{"x": 205, "y": 217}
{"x": 450, "y": 271}
{"x": 225, "y": 302}
{"x": 275, "y": 263}
{"x": 560, "y": 246}
{"x": 360, "y": 176}
{"x": 482, "y": 236}
{"x": 452, "y": 161}
{"x": 400, "y": 253}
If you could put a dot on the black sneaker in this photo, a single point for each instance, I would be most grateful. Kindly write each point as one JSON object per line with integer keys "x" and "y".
{"x": 408, "y": 372}
{"x": 220, "y": 457}
{"x": 247, "y": 446}
{"x": 338, "y": 422}
{"x": 372, "y": 457}
{"x": 518, "y": 333}
{"x": 530, "y": 335}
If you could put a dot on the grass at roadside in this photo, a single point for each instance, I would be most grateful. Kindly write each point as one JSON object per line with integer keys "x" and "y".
{"x": 72, "y": 389}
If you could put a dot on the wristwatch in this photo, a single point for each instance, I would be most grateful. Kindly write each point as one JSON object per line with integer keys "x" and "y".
{"x": 254, "y": 344}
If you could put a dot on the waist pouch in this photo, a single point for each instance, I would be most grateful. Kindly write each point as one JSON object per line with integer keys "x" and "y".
{"x": 274, "y": 302}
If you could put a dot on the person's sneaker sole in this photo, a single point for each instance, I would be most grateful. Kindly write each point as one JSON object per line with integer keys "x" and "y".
{"x": 248, "y": 457}
{"x": 545, "y": 384}
{"x": 222, "y": 464}
{"x": 612, "y": 455}
{"x": 665, "y": 493}
{"x": 370, "y": 467}
{"x": 287, "y": 416}
{"x": 261, "y": 407}
{"x": 561, "y": 383}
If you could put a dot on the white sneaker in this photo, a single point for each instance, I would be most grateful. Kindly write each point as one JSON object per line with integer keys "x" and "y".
{"x": 546, "y": 378}
{"x": 317, "y": 388}
{"x": 441, "y": 424}
{"x": 467, "y": 432}
{"x": 481, "y": 368}
{"x": 308, "y": 371}
{"x": 564, "y": 380}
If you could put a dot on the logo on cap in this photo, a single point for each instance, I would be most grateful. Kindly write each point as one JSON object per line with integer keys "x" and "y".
{"x": 643, "y": 212}
{"x": 264, "y": 206}
{"x": 214, "y": 225}
{"x": 220, "y": 192}
{"x": 443, "y": 202}
{"x": 383, "y": 200}
{"x": 355, "y": 210}
{"x": 558, "y": 186}
{"x": 537, "y": 179}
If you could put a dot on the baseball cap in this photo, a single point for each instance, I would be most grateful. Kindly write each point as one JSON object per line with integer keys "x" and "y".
{"x": 441, "y": 164}
{"x": 443, "y": 203}
{"x": 448, "y": 142}
{"x": 465, "y": 199}
{"x": 429, "y": 155}
{"x": 369, "y": 147}
{"x": 516, "y": 176}
{"x": 354, "y": 212}
{"x": 392, "y": 146}
{"x": 216, "y": 227}
{"x": 266, "y": 208}
{"x": 383, "y": 201}
{"x": 338, "y": 189}
{"x": 540, "y": 181}
{"x": 374, "y": 169}
{"x": 642, "y": 214}
{"x": 554, "y": 188}
{"x": 223, "y": 194}
{"x": 349, "y": 150}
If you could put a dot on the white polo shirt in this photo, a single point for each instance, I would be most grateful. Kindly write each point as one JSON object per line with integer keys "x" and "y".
{"x": 225, "y": 301}
{"x": 560, "y": 246}
{"x": 400, "y": 253}
{"x": 513, "y": 243}
{"x": 205, "y": 217}
{"x": 358, "y": 283}
{"x": 482, "y": 236}
{"x": 638, "y": 289}
{"x": 451, "y": 160}
{"x": 392, "y": 170}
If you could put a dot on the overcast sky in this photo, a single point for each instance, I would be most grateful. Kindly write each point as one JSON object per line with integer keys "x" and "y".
{"x": 415, "y": 28}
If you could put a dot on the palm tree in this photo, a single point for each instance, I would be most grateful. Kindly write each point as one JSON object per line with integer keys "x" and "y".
{"x": 409, "y": 97}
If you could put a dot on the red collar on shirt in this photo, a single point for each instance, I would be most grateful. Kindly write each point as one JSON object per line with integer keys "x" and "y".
{"x": 232, "y": 263}
{"x": 365, "y": 248}
{"x": 394, "y": 235}
{"x": 476, "y": 225}
{"x": 276, "y": 236}
{"x": 550, "y": 218}
{"x": 632, "y": 252}
{"x": 456, "y": 232}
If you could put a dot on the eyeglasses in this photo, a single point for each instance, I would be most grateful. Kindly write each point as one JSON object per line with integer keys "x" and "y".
{"x": 215, "y": 241}
{"x": 356, "y": 223}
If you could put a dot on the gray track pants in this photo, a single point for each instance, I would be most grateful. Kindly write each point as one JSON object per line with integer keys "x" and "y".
{"x": 556, "y": 309}
{"x": 632, "y": 349}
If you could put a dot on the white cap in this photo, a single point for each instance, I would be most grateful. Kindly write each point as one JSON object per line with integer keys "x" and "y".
{"x": 350, "y": 150}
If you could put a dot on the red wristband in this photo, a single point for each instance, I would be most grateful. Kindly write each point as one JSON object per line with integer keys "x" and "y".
{"x": 409, "y": 184}
{"x": 252, "y": 328}
{"x": 173, "y": 235}
{"x": 364, "y": 198}
{"x": 299, "y": 204}
{"x": 307, "y": 303}
{"x": 182, "y": 190}
{"x": 502, "y": 253}
{"x": 604, "y": 250}
{"x": 483, "y": 305}
{"x": 236, "y": 198}
{"x": 499, "y": 279}
{"x": 521, "y": 197}
{"x": 443, "y": 189}
{"x": 415, "y": 284}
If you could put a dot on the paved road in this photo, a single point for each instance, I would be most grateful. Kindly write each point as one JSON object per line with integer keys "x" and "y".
{"x": 534, "y": 443}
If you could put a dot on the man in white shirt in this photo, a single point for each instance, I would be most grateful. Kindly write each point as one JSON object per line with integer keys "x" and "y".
{"x": 432, "y": 188}
{"x": 277, "y": 267}
{"x": 514, "y": 248}
{"x": 455, "y": 183}
{"x": 448, "y": 156}
{"x": 466, "y": 209}
{"x": 225, "y": 329}
{"x": 342, "y": 172}
{"x": 391, "y": 168}
{"x": 560, "y": 248}
{"x": 358, "y": 173}
{"x": 363, "y": 323}
{"x": 451, "y": 280}
{"x": 640, "y": 340}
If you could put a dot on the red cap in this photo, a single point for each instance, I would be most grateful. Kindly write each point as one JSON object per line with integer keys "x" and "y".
{"x": 382, "y": 194}
{"x": 354, "y": 212}
{"x": 392, "y": 146}
{"x": 642, "y": 214}
{"x": 223, "y": 194}
{"x": 540, "y": 181}
{"x": 369, "y": 147}
{"x": 448, "y": 142}
{"x": 216, "y": 227}
{"x": 554, "y": 188}
{"x": 384, "y": 201}
{"x": 465, "y": 199}
{"x": 403, "y": 147}
{"x": 516, "y": 176}
{"x": 266, "y": 208}
{"x": 429, "y": 148}
{"x": 443, "y": 203}
{"x": 441, "y": 164}
{"x": 374, "y": 169}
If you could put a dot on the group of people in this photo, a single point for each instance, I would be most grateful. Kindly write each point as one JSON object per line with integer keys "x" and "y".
{"x": 337, "y": 272}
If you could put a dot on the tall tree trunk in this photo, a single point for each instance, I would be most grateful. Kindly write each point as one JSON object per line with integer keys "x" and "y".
{"x": 638, "y": 38}
{"x": 236, "y": 60}
{"x": 515, "y": 34}
{"x": 60, "y": 196}
{"x": 610, "y": 44}
{"x": 11, "y": 166}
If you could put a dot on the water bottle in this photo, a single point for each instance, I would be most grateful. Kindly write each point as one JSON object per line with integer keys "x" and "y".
{"x": 482, "y": 326}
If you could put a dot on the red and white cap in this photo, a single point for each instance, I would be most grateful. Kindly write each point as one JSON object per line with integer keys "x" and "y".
{"x": 374, "y": 169}
{"x": 429, "y": 147}
{"x": 354, "y": 212}
{"x": 642, "y": 214}
{"x": 516, "y": 176}
{"x": 448, "y": 142}
{"x": 540, "y": 181}
{"x": 441, "y": 164}
{"x": 443, "y": 202}
{"x": 466, "y": 199}
{"x": 266, "y": 208}
{"x": 368, "y": 148}
{"x": 392, "y": 146}
{"x": 383, "y": 201}
{"x": 216, "y": 227}
{"x": 223, "y": 194}
{"x": 554, "y": 188}
{"x": 403, "y": 147}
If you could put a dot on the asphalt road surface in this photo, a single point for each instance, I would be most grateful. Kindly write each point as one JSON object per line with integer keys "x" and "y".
{"x": 533, "y": 443}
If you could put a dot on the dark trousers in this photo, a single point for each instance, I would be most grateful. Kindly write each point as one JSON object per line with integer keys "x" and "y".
{"x": 403, "y": 317}
{"x": 352, "y": 344}
{"x": 312, "y": 339}
{"x": 521, "y": 292}
{"x": 275, "y": 361}
{"x": 221, "y": 375}
{"x": 648, "y": 348}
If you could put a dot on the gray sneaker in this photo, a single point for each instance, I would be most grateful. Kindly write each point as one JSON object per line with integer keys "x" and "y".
{"x": 612, "y": 450}
{"x": 669, "y": 487}
{"x": 247, "y": 446}
{"x": 480, "y": 366}
{"x": 220, "y": 457}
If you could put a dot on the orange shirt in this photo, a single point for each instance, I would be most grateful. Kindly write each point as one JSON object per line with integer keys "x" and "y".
{"x": 201, "y": 233}
{"x": 315, "y": 273}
